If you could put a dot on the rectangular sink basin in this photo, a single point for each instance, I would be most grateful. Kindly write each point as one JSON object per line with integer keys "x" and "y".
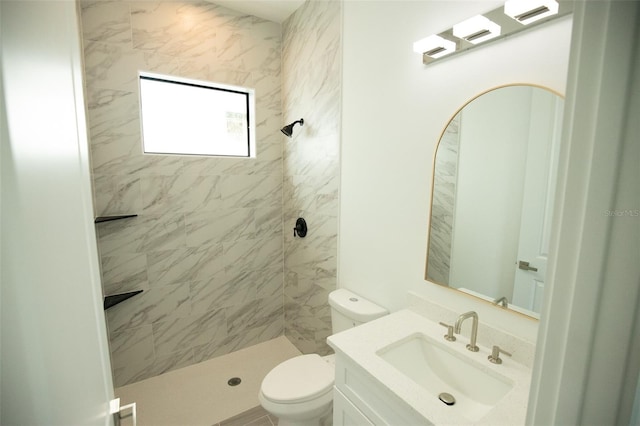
{"x": 437, "y": 368}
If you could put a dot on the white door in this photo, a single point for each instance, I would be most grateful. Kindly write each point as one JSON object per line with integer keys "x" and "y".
{"x": 55, "y": 361}
{"x": 537, "y": 204}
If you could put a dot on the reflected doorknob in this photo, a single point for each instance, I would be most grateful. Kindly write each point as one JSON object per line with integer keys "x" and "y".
{"x": 525, "y": 266}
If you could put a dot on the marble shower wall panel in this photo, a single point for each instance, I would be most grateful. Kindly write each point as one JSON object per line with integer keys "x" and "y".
{"x": 206, "y": 247}
{"x": 443, "y": 204}
{"x": 311, "y": 59}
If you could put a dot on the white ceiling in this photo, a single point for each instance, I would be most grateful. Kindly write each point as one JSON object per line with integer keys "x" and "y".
{"x": 271, "y": 10}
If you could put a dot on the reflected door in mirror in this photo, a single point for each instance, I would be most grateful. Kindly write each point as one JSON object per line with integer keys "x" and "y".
{"x": 494, "y": 177}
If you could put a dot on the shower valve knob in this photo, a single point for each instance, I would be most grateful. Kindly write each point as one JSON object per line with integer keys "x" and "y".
{"x": 300, "y": 229}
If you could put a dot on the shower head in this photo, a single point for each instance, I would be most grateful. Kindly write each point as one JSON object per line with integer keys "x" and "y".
{"x": 288, "y": 129}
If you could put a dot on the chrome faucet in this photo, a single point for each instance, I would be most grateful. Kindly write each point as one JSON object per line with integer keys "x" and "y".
{"x": 502, "y": 301}
{"x": 474, "y": 329}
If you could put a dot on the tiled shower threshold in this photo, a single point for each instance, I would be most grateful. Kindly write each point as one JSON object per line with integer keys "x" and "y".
{"x": 199, "y": 394}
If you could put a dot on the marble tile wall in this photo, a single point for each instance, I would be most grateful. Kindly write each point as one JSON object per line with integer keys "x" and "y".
{"x": 443, "y": 204}
{"x": 311, "y": 62}
{"x": 206, "y": 247}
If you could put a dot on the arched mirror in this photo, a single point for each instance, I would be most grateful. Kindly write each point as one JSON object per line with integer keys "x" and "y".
{"x": 492, "y": 197}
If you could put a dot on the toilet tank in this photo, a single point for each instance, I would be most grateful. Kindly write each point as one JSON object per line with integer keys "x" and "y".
{"x": 349, "y": 310}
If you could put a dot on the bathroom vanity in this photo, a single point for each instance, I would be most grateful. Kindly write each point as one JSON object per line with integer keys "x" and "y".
{"x": 400, "y": 370}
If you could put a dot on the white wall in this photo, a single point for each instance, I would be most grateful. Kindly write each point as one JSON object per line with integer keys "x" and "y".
{"x": 394, "y": 110}
{"x": 55, "y": 362}
{"x": 588, "y": 354}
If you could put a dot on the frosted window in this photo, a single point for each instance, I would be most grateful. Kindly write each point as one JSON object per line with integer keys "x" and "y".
{"x": 192, "y": 117}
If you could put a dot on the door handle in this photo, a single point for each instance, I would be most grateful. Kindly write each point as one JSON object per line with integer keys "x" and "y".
{"x": 525, "y": 266}
{"x": 116, "y": 410}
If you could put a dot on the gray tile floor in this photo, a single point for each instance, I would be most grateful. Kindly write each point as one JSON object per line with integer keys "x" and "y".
{"x": 256, "y": 416}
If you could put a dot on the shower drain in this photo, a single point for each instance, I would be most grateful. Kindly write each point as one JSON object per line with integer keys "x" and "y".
{"x": 447, "y": 398}
{"x": 234, "y": 381}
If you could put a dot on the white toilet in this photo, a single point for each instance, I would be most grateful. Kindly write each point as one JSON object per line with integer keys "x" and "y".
{"x": 299, "y": 391}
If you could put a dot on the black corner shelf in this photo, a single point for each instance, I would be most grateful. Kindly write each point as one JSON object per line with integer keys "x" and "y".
{"x": 113, "y": 300}
{"x": 101, "y": 219}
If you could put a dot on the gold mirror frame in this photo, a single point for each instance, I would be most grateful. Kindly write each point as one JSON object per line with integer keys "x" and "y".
{"x": 433, "y": 176}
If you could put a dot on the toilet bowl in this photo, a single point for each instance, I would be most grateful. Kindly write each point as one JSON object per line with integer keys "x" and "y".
{"x": 299, "y": 391}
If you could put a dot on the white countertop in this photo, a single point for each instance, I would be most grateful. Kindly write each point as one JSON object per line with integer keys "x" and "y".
{"x": 361, "y": 344}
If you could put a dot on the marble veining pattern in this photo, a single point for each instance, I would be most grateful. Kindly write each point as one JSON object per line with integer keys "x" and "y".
{"x": 123, "y": 273}
{"x": 311, "y": 87}
{"x": 184, "y": 264}
{"x": 152, "y": 305}
{"x": 207, "y": 242}
{"x": 222, "y": 291}
{"x": 106, "y": 21}
{"x": 180, "y": 332}
{"x": 443, "y": 204}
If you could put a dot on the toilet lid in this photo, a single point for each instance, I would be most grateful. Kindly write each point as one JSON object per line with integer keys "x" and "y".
{"x": 298, "y": 379}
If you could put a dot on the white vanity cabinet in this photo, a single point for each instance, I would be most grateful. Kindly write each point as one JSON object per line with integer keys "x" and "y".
{"x": 345, "y": 413}
{"x": 359, "y": 399}
{"x": 396, "y": 369}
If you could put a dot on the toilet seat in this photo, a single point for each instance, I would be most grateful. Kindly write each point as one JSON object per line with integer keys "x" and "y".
{"x": 298, "y": 379}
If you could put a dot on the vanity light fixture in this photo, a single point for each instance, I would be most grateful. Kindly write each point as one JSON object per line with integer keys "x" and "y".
{"x": 434, "y": 46}
{"x": 509, "y": 19}
{"x": 477, "y": 29}
{"x": 528, "y": 11}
